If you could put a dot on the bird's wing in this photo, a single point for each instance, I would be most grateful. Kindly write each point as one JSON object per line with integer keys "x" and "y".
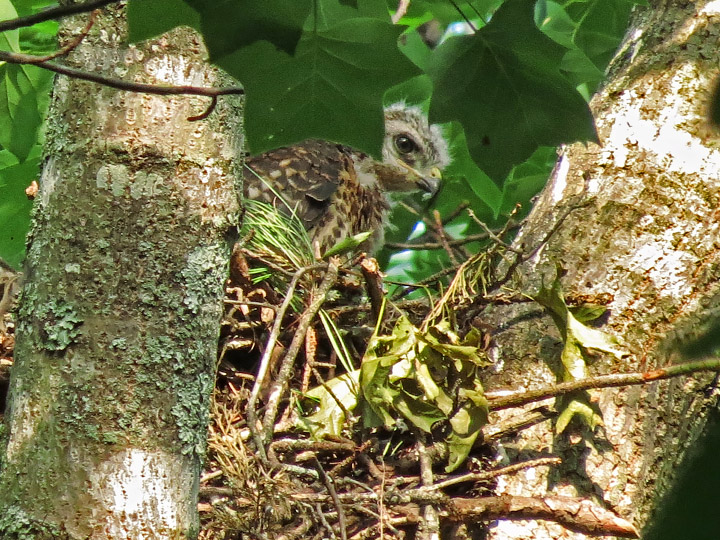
{"x": 300, "y": 178}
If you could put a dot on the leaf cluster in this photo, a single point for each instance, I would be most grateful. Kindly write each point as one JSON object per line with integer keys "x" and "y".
{"x": 580, "y": 343}
{"x": 425, "y": 381}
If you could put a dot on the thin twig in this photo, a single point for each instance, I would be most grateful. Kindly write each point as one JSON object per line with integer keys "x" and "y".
{"x": 321, "y": 516}
{"x": 455, "y": 213}
{"x": 488, "y": 475}
{"x": 265, "y": 360}
{"x": 443, "y": 238}
{"x": 430, "y": 526}
{"x": 333, "y": 494}
{"x": 310, "y": 350}
{"x": 66, "y": 49}
{"x": 462, "y": 14}
{"x": 491, "y": 234}
{"x": 402, "y": 8}
{"x": 374, "y": 286}
{"x": 54, "y": 13}
{"x": 207, "y": 112}
{"x": 118, "y": 84}
{"x": 438, "y": 245}
{"x": 279, "y": 385}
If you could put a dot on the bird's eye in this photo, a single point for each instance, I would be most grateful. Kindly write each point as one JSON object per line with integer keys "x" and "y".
{"x": 404, "y": 144}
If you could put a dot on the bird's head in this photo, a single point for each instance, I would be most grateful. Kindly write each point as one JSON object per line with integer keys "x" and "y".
{"x": 414, "y": 151}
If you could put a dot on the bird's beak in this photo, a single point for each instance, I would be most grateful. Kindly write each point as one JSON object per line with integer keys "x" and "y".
{"x": 431, "y": 182}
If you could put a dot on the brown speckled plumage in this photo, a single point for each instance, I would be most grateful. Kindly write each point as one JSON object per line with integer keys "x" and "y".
{"x": 338, "y": 192}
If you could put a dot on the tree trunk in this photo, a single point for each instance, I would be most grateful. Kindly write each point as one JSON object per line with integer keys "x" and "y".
{"x": 643, "y": 240}
{"x": 119, "y": 317}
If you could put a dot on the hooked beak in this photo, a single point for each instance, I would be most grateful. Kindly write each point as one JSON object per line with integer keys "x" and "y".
{"x": 431, "y": 182}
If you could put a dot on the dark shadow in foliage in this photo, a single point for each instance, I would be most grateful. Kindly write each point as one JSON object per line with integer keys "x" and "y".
{"x": 689, "y": 511}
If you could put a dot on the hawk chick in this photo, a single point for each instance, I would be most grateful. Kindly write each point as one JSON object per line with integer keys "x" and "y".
{"x": 338, "y": 192}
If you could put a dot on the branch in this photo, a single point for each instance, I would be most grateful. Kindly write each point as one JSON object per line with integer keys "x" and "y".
{"x": 430, "y": 526}
{"x": 493, "y": 473}
{"x": 265, "y": 360}
{"x": 45, "y": 63}
{"x": 374, "y": 286}
{"x": 573, "y": 513}
{"x": 119, "y": 84}
{"x": 54, "y": 13}
{"x": 439, "y": 227}
{"x": 279, "y": 385}
{"x": 438, "y": 245}
{"x": 503, "y": 400}
{"x": 72, "y": 44}
{"x": 336, "y": 501}
{"x": 576, "y": 514}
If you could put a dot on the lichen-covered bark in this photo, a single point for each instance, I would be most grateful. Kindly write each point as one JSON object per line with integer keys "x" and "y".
{"x": 644, "y": 242}
{"x": 119, "y": 317}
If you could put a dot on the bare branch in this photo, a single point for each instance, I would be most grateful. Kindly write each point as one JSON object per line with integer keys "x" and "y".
{"x": 402, "y": 8}
{"x": 54, "y": 13}
{"x": 336, "y": 501}
{"x": 506, "y": 400}
{"x": 265, "y": 360}
{"x": 373, "y": 285}
{"x": 72, "y": 44}
{"x": 430, "y": 525}
{"x": 487, "y": 475}
{"x": 279, "y": 385}
{"x": 580, "y": 515}
{"x": 161, "y": 90}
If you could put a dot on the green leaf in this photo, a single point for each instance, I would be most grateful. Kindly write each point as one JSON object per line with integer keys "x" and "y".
{"x": 526, "y": 180}
{"x": 329, "y": 418}
{"x": 416, "y": 90}
{"x": 467, "y": 424}
{"x": 504, "y": 84}
{"x": 15, "y": 206}
{"x": 464, "y": 166}
{"x": 230, "y": 24}
{"x": 332, "y": 88}
{"x": 577, "y": 406}
{"x": 580, "y": 342}
{"x": 150, "y": 18}
{"x": 588, "y": 312}
{"x": 412, "y": 45}
{"x": 347, "y": 244}
{"x": 39, "y": 39}
{"x": 602, "y": 25}
{"x": 9, "y": 41}
{"x": 23, "y": 102}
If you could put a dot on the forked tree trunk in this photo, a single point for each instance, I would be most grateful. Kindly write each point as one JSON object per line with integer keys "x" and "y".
{"x": 644, "y": 241}
{"x": 119, "y": 317}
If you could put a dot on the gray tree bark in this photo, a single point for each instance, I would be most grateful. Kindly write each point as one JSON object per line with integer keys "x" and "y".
{"x": 120, "y": 312}
{"x": 644, "y": 242}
